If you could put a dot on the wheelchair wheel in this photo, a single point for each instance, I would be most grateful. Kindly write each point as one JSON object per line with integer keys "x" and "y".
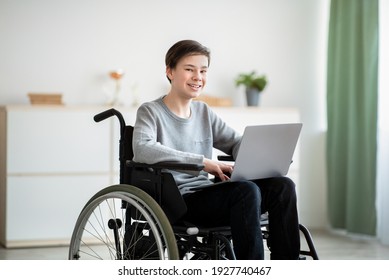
{"x": 122, "y": 222}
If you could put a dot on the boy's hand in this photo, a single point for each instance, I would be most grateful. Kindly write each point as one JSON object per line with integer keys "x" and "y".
{"x": 219, "y": 169}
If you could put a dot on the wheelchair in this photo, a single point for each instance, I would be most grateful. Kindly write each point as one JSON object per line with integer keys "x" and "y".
{"x": 141, "y": 217}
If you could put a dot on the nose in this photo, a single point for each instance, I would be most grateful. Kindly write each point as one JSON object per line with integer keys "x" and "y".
{"x": 197, "y": 76}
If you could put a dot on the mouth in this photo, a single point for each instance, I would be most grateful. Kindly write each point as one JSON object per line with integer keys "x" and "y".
{"x": 194, "y": 86}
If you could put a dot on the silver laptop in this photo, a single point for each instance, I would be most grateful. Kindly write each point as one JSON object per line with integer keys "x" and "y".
{"x": 266, "y": 151}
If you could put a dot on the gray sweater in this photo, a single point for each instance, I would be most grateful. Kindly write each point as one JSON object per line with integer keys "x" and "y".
{"x": 160, "y": 135}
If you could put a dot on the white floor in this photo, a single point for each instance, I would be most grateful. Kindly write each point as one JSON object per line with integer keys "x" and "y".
{"x": 329, "y": 246}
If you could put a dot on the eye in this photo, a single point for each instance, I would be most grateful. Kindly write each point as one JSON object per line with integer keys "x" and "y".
{"x": 189, "y": 69}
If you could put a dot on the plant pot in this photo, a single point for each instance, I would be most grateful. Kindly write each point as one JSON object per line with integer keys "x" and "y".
{"x": 252, "y": 97}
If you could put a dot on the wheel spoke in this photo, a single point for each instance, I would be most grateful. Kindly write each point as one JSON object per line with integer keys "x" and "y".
{"x": 146, "y": 235}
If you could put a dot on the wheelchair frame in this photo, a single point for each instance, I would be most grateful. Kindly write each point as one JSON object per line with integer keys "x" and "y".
{"x": 137, "y": 220}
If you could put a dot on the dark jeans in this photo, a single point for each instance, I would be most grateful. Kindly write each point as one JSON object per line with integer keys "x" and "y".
{"x": 240, "y": 204}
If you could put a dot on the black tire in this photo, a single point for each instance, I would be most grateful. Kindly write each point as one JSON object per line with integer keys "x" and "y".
{"x": 122, "y": 222}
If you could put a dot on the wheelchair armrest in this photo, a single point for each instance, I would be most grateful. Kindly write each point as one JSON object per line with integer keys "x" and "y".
{"x": 167, "y": 165}
{"x": 225, "y": 158}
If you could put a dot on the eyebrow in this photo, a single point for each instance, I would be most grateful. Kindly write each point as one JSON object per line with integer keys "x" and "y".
{"x": 191, "y": 65}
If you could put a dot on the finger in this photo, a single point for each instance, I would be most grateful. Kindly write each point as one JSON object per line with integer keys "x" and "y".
{"x": 224, "y": 177}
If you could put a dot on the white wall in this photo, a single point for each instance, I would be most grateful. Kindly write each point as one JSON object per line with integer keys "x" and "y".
{"x": 383, "y": 134}
{"x": 70, "y": 46}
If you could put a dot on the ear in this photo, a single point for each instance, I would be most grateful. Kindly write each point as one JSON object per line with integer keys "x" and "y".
{"x": 169, "y": 73}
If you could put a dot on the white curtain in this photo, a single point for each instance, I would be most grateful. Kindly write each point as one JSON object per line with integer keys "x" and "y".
{"x": 383, "y": 128}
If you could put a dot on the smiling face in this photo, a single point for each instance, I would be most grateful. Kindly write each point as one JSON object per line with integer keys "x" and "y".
{"x": 189, "y": 76}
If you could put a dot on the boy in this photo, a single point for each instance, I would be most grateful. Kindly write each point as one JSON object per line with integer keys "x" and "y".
{"x": 174, "y": 127}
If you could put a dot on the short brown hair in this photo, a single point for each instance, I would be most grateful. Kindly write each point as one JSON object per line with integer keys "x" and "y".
{"x": 184, "y": 48}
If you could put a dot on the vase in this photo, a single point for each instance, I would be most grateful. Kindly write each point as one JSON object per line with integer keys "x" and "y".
{"x": 116, "y": 75}
{"x": 252, "y": 96}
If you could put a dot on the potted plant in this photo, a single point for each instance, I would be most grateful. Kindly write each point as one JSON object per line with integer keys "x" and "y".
{"x": 254, "y": 85}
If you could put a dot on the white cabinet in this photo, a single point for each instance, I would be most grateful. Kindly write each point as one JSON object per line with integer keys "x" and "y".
{"x": 43, "y": 209}
{"x": 51, "y": 141}
{"x": 54, "y": 158}
{"x": 238, "y": 118}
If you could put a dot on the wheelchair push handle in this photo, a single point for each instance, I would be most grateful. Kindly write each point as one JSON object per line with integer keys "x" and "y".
{"x": 110, "y": 113}
{"x": 105, "y": 115}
